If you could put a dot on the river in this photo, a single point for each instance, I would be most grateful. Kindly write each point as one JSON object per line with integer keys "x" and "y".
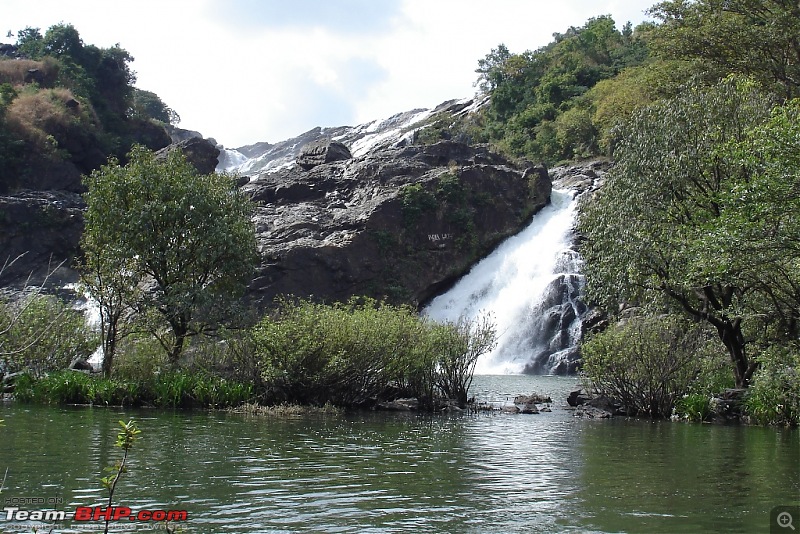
{"x": 386, "y": 472}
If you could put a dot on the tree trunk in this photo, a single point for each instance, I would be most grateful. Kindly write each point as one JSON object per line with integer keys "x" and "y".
{"x": 730, "y": 332}
{"x": 109, "y": 340}
{"x": 180, "y": 330}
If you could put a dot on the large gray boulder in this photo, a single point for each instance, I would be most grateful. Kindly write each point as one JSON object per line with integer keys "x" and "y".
{"x": 321, "y": 152}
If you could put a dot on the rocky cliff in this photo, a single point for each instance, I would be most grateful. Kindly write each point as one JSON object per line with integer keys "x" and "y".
{"x": 40, "y": 228}
{"x": 368, "y": 214}
{"x": 399, "y": 223}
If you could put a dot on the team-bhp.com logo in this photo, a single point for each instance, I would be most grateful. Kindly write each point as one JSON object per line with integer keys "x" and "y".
{"x": 94, "y": 513}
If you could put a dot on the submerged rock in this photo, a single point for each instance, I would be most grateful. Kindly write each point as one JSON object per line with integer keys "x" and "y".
{"x": 590, "y": 412}
{"x": 399, "y": 405}
{"x": 533, "y": 398}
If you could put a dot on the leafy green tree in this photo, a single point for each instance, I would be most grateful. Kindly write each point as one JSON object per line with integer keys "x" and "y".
{"x": 63, "y": 40}
{"x": 187, "y": 235}
{"x": 757, "y": 38}
{"x": 491, "y": 69}
{"x": 756, "y": 234}
{"x": 113, "y": 281}
{"x": 30, "y": 43}
{"x": 148, "y": 105}
{"x": 646, "y": 230}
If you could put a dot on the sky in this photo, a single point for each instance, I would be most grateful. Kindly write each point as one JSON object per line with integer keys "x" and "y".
{"x": 246, "y": 71}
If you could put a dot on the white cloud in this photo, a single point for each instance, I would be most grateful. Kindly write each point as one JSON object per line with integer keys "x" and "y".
{"x": 244, "y": 71}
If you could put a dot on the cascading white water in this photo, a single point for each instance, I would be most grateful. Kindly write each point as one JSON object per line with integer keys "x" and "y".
{"x": 530, "y": 285}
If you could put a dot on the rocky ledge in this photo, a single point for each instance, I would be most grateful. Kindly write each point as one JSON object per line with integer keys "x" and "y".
{"x": 400, "y": 223}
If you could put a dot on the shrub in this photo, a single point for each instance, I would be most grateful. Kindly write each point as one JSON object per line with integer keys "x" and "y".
{"x": 459, "y": 346}
{"x": 774, "y": 396}
{"x": 358, "y": 353}
{"x": 41, "y": 334}
{"x": 694, "y": 407}
{"x": 140, "y": 357}
{"x": 51, "y": 120}
{"x": 646, "y": 363}
{"x": 346, "y": 354}
{"x": 415, "y": 201}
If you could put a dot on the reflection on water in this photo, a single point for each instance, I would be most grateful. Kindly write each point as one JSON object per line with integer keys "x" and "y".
{"x": 408, "y": 473}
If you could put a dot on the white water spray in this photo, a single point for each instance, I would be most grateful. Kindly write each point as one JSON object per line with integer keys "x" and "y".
{"x": 530, "y": 285}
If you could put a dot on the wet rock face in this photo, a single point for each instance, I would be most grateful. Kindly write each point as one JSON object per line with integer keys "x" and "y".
{"x": 321, "y": 152}
{"x": 41, "y": 230}
{"x": 399, "y": 224}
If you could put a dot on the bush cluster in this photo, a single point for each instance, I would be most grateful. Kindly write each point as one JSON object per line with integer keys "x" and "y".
{"x": 647, "y": 363}
{"x": 361, "y": 352}
{"x": 774, "y": 396}
{"x": 40, "y": 334}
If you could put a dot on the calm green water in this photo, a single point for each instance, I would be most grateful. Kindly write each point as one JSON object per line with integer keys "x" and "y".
{"x": 407, "y": 473}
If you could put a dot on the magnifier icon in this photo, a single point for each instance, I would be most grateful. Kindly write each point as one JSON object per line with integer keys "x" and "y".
{"x": 785, "y": 520}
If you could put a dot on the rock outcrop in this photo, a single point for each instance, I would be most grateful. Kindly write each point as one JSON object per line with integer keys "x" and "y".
{"x": 41, "y": 231}
{"x": 399, "y": 223}
{"x": 321, "y": 152}
{"x": 201, "y": 153}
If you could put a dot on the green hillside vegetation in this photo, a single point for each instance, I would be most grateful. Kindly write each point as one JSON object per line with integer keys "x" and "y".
{"x": 62, "y": 101}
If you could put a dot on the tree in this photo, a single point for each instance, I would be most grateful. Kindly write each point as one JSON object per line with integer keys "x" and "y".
{"x": 30, "y": 43}
{"x": 757, "y": 232}
{"x": 148, "y": 105}
{"x": 188, "y": 237}
{"x": 646, "y": 230}
{"x": 114, "y": 283}
{"x": 490, "y": 69}
{"x": 757, "y": 38}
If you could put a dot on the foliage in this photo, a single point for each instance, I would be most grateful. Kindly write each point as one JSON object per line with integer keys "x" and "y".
{"x": 138, "y": 355}
{"x": 531, "y": 91}
{"x": 646, "y": 363}
{"x": 756, "y": 38}
{"x": 646, "y": 231}
{"x": 51, "y": 120}
{"x": 615, "y": 99}
{"x": 184, "y": 389}
{"x": 188, "y": 235}
{"x": 41, "y": 334}
{"x": 148, "y": 105}
{"x": 415, "y": 201}
{"x": 357, "y": 353}
{"x": 101, "y": 75}
{"x": 106, "y": 121}
{"x": 459, "y": 346}
{"x": 756, "y": 233}
{"x": 17, "y": 72}
{"x": 693, "y": 407}
{"x": 774, "y": 397}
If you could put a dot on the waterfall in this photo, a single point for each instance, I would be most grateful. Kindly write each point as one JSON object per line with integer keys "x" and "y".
{"x": 531, "y": 286}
